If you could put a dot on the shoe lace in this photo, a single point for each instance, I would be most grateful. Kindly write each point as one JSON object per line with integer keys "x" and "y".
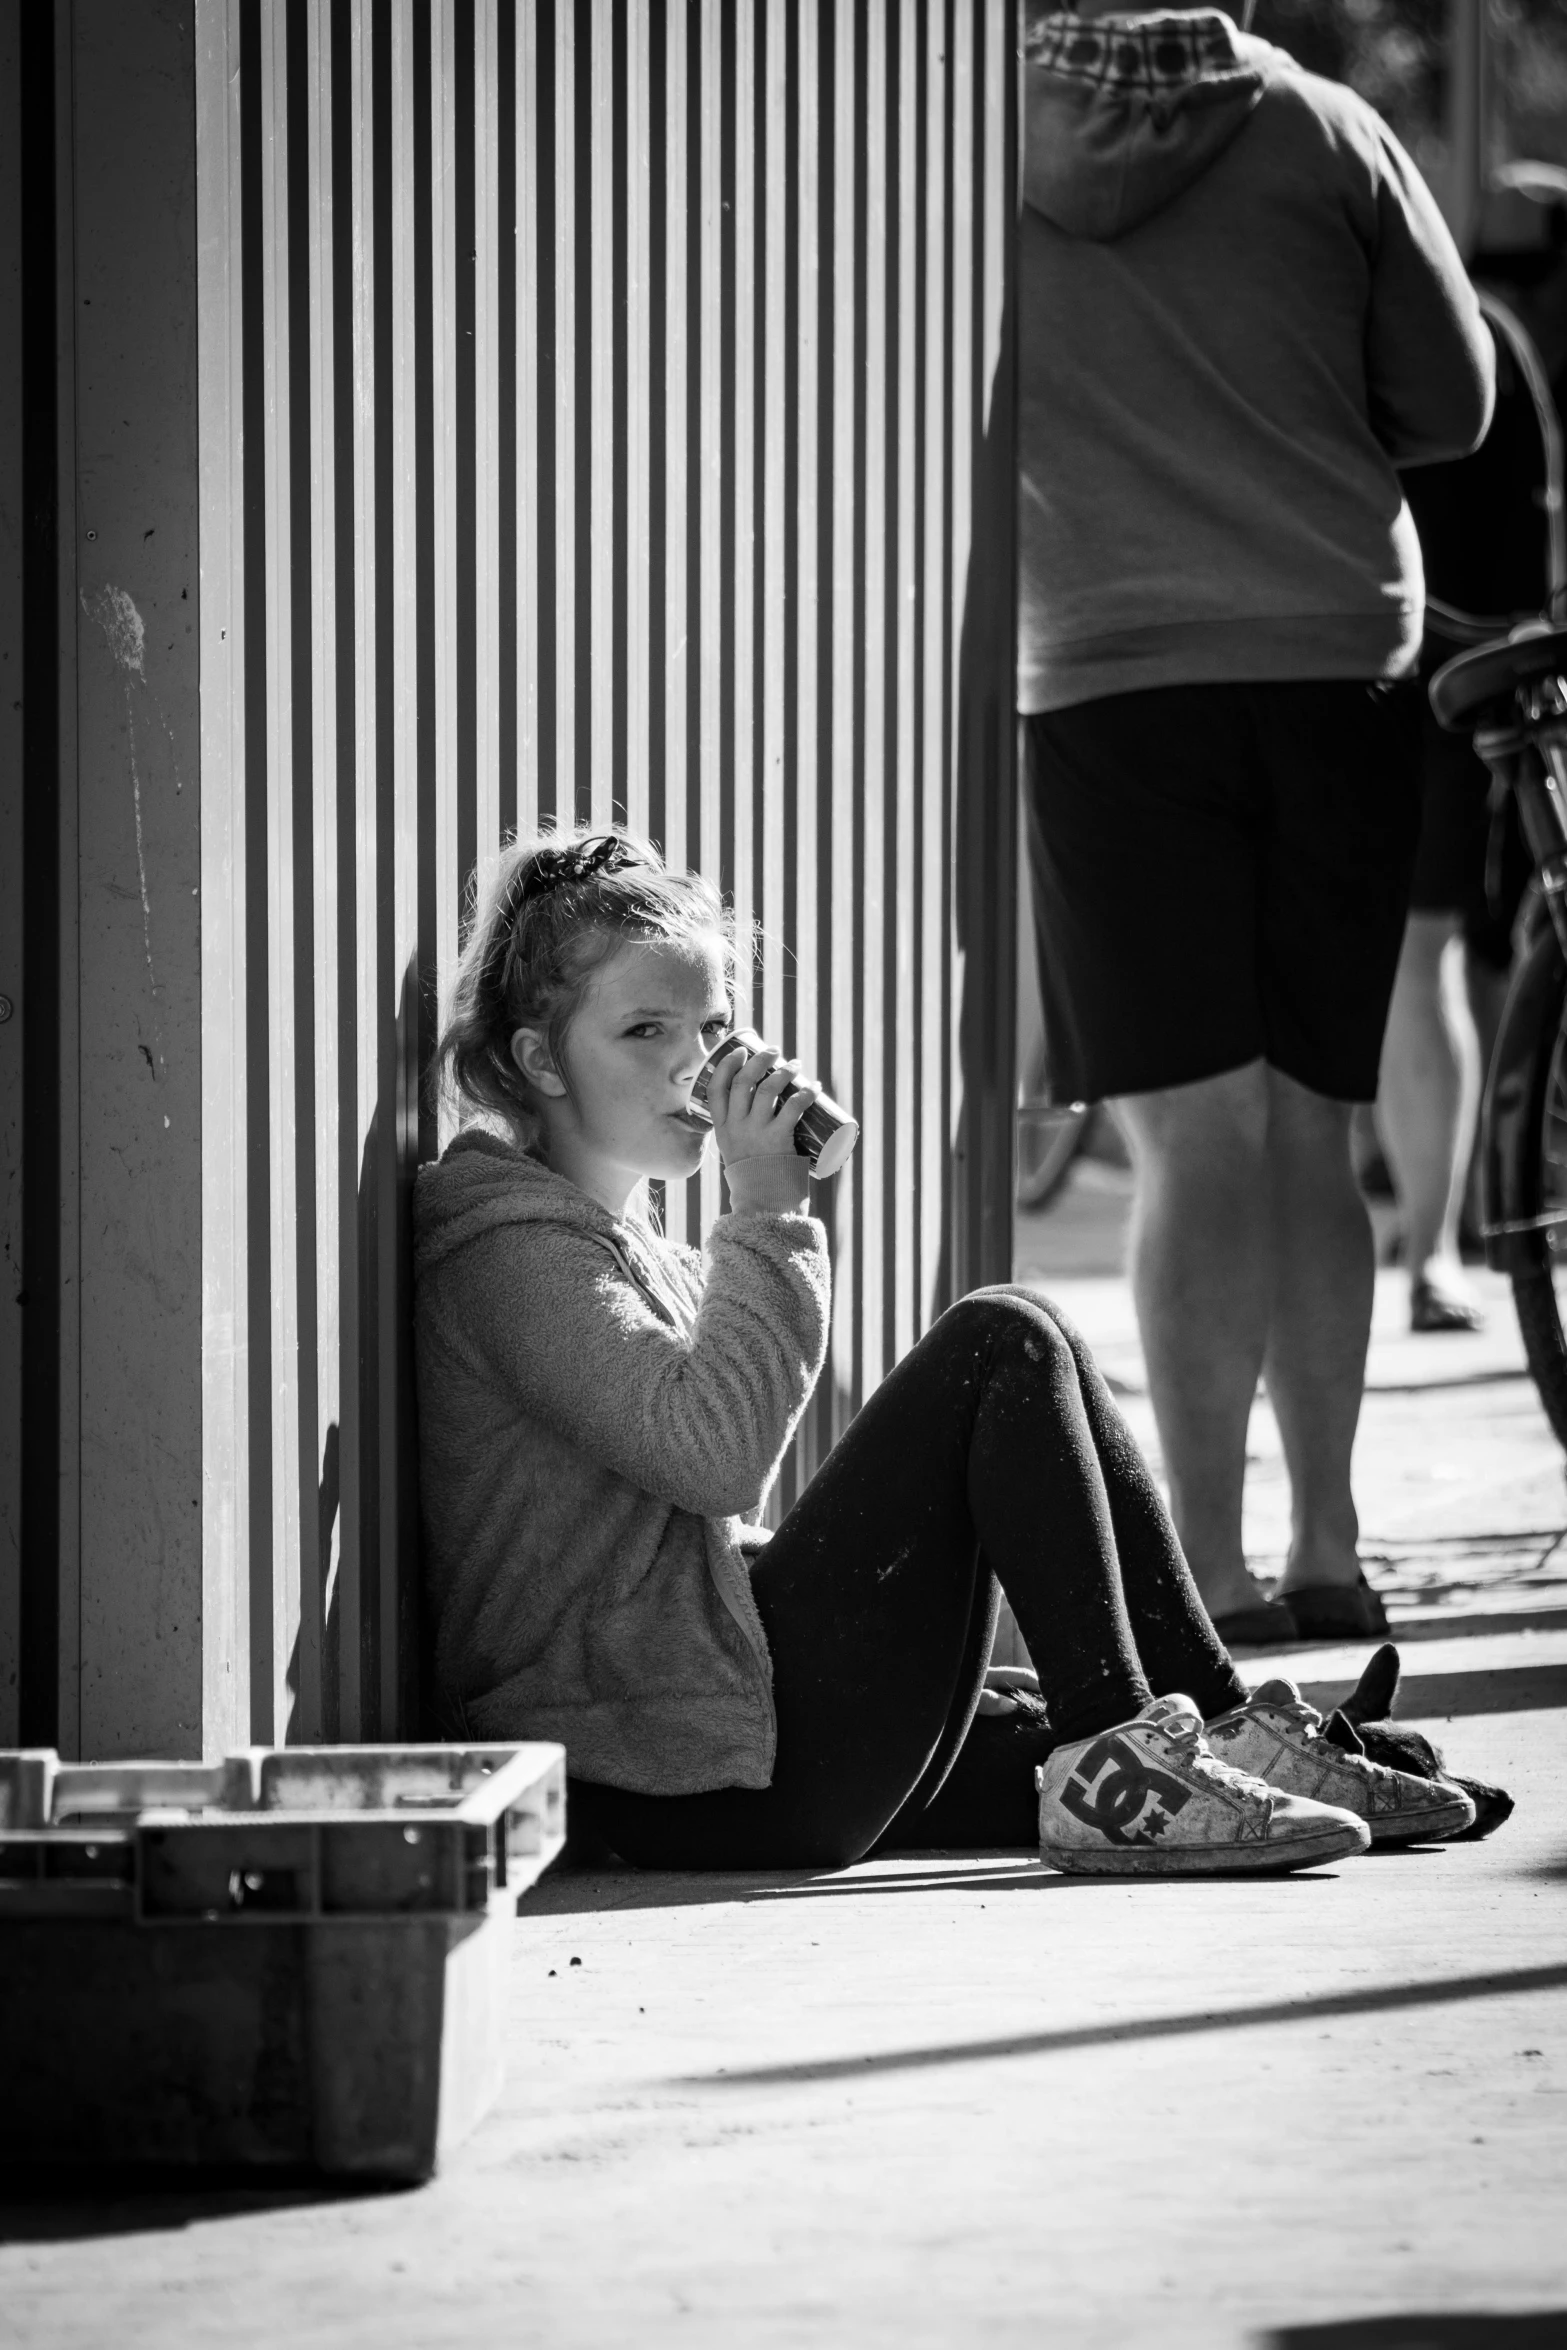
{"x": 1309, "y": 1722}
{"x": 1200, "y": 1761}
{"x": 1305, "y": 1717}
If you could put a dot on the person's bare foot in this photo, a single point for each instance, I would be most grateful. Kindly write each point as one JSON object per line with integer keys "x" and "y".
{"x": 1325, "y": 1588}
{"x": 1440, "y": 1297}
{"x": 1247, "y": 1617}
{"x": 1320, "y": 1562}
{"x": 1230, "y": 1594}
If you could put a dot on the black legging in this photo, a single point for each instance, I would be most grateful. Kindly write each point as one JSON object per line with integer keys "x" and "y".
{"x": 993, "y": 1450}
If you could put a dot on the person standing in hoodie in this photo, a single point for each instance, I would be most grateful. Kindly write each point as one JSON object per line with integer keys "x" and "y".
{"x": 1240, "y": 312}
{"x": 601, "y": 1416}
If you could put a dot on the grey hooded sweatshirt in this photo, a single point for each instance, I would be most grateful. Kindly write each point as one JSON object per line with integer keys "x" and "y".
{"x": 598, "y": 1412}
{"x": 1239, "y": 311}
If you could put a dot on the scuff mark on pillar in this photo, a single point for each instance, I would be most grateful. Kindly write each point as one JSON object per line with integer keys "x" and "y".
{"x": 122, "y": 626}
{"x": 125, "y": 633}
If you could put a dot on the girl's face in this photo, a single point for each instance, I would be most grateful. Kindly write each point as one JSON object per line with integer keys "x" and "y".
{"x": 650, "y": 1017}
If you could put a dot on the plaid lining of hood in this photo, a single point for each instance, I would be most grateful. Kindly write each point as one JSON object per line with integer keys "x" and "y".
{"x": 1152, "y": 55}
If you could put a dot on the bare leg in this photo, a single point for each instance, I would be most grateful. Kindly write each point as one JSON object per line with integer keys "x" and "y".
{"x": 1200, "y": 1268}
{"x": 1429, "y": 1096}
{"x": 1323, "y": 1277}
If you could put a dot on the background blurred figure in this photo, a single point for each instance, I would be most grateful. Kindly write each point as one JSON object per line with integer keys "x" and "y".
{"x": 1239, "y": 308}
{"x": 1491, "y": 531}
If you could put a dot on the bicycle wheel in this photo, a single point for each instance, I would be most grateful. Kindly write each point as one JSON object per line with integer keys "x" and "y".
{"x": 1538, "y": 1187}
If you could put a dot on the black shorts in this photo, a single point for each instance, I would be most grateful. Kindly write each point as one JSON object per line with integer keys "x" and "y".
{"x": 1221, "y": 874}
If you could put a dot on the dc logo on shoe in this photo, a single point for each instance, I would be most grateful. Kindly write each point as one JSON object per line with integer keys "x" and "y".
{"x": 1116, "y": 1790}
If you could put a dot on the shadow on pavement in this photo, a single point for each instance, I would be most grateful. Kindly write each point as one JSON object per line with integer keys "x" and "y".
{"x": 1543, "y": 2329}
{"x": 627, "y": 1888}
{"x": 620, "y": 1887}
{"x": 1161, "y": 2027}
{"x": 60, "y": 2207}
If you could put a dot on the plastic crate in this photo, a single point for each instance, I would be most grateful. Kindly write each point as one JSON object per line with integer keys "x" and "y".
{"x": 293, "y": 1959}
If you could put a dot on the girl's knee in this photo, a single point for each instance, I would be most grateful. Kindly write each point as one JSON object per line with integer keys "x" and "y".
{"x": 1009, "y": 1318}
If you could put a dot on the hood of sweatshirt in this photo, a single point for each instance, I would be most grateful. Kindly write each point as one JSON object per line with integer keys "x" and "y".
{"x": 481, "y": 1182}
{"x": 1125, "y": 112}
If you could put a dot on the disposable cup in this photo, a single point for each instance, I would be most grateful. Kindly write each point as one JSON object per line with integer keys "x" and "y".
{"x": 825, "y": 1135}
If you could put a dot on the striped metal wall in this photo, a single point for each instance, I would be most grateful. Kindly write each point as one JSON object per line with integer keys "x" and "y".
{"x": 605, "y": 410}
{"x": 607, "y": 414}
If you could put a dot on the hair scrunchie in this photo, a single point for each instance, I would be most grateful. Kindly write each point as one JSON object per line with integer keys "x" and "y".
{"x": 579, "y": 860}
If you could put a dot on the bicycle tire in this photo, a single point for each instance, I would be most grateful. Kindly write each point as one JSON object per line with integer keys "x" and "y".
{"x": 1542, "y": 1183}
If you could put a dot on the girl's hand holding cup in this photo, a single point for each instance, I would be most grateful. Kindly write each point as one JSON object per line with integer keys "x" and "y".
{"x": 763, "y": 1111}
{"x": 756, "y": 1099}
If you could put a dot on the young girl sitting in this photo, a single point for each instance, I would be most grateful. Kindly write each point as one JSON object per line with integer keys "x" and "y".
{"x": 602, "y": 1414}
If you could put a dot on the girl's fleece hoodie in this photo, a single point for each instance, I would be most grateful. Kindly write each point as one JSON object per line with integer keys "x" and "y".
{"x": 595, "y": 1419}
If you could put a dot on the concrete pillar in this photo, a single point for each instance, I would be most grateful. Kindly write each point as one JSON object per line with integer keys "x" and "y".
{"x": 11, "y": 891}
{"x": 102, "y": 1445}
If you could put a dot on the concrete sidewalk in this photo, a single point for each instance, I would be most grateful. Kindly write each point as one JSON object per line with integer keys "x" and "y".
{"x": 943, "y": 2101}
{"x": 1459, "y": 1484}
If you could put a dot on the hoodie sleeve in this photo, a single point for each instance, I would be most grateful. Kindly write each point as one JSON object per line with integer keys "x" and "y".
{"x": 1430, "y": 367}
{"x": 700, "y": 1419}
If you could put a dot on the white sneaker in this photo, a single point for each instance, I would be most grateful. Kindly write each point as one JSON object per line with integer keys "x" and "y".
{"x": 1149, "y": 1798}
{"x": 1279, "y": 1735}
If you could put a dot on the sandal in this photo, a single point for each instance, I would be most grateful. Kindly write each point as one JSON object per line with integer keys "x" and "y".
{"x": 1431, "y": 1308}
{"x": 1267, "y": 1625}
{"x": 1327, "y": 1611}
